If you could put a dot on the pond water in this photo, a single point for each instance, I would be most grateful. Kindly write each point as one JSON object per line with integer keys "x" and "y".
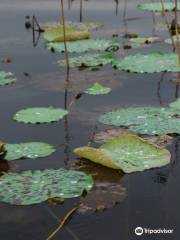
{"x": 153, "y": 196}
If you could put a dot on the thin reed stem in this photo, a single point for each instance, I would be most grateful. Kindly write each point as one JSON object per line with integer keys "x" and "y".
{"x": 64, "y": 33}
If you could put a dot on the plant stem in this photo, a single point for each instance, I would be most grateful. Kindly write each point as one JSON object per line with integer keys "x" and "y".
{"x": 64, "y": 33}
{"x": 177, "y": 34}
{"x": 167, "y": 24}
{"x": 67, "y": 216}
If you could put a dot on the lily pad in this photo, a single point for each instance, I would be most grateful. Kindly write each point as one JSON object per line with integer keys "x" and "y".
{"x": 150, "y": 63}
{"x": 147, "y": 120}
{"x": 157, "y": 6}
{"x": 97, "y": 89}
{"x": 128, "y": 152}
{"x": 40, "y": 115}
{"x": 139, "y": 41}
{"x": 91, "y": 60}
{"x": 55, "y": 34}
{"x": 32, "y": 187}
{"x": 85, "y": 45}
{"x": 158, "y": 126}
{"x": 102, "y": 196}
{"x": 139, "y": 115}
{"x": 27, "y": 150}
{"x": 6, "y": 78}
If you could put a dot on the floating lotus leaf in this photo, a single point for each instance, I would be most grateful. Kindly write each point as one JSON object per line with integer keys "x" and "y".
{"x": 27, "y": 150}
{"x": 128, "y": 153}
{"x": 97, "y": 89}
{"x": 147, "y": 120}
{"x": 160, "y": 26}
{"x": 55, "y": 34}
{"x": 137, "y": 42}
{"x": 84, "y": 45}
{"x": 31, "y": 187}
{"x": 157, "y": 6}
{"x": 150, "y": 63}
{"x": 40, "y": 115}
{"x": 158, "y": 126}
{"x": 102, "y": 196}
{"x": 139, "y": 115}
{"x": 6, "y": 78}
{"x": 91, "y": 60}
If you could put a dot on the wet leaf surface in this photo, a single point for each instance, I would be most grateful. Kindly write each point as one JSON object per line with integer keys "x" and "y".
{"x": 40, "y": 115}
{"x": 27, "y": 150}
{"x": 84, "y": 45}
{"x": 128, "y": 152}
{"x": 32, "y": 187}
{"x": 90, "y": 60}
{"x": 150, "y": 63}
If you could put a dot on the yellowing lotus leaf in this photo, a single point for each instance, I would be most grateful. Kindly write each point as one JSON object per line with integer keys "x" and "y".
{"x": 129, "y": 153}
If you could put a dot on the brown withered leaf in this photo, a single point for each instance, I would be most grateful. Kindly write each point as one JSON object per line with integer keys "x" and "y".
{"x": 104, "y": 195}
{"x": 107, "y": 134}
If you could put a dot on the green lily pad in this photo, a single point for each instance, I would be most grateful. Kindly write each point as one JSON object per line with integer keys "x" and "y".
{"x": 128, "y": 153}
{"x": 139, "y": 115}
{"x": 146, "y": 120}
{"x": 6, "y": 78}
{"x": 150, "y": 63}
{"x": 157, "y": 126}
{"x": 84, "y": 45}
{"x": 97, "y": 89}
{"x": 157, "y": 6}
{"x": 90, "y": 60}
{"x": 139, "y": 41}
{"x": 175, "y": 105}
{"x": 27, "y": 150}
{"x": 32, "y": 187}
{"x": 40, "y": 115}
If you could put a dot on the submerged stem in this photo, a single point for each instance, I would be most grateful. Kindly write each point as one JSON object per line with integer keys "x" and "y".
{"x": 67, "y": 216}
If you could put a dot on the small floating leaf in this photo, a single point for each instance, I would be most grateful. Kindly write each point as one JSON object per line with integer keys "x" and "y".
{"x": 27, "y": 150}
{"x": 32, "y": 187}
{"x": 40, "y": 115}
{"x": 157, "y": 6}
{"x": 150, "y": 63}
{"x": 6, "y": 78}
{"x": 83, "y": 45}
{"x": 139, "y": 41}
{"x": 128, "y": 152}
{"x": 90, "y": 60}
{"x": 97, "y": 89}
